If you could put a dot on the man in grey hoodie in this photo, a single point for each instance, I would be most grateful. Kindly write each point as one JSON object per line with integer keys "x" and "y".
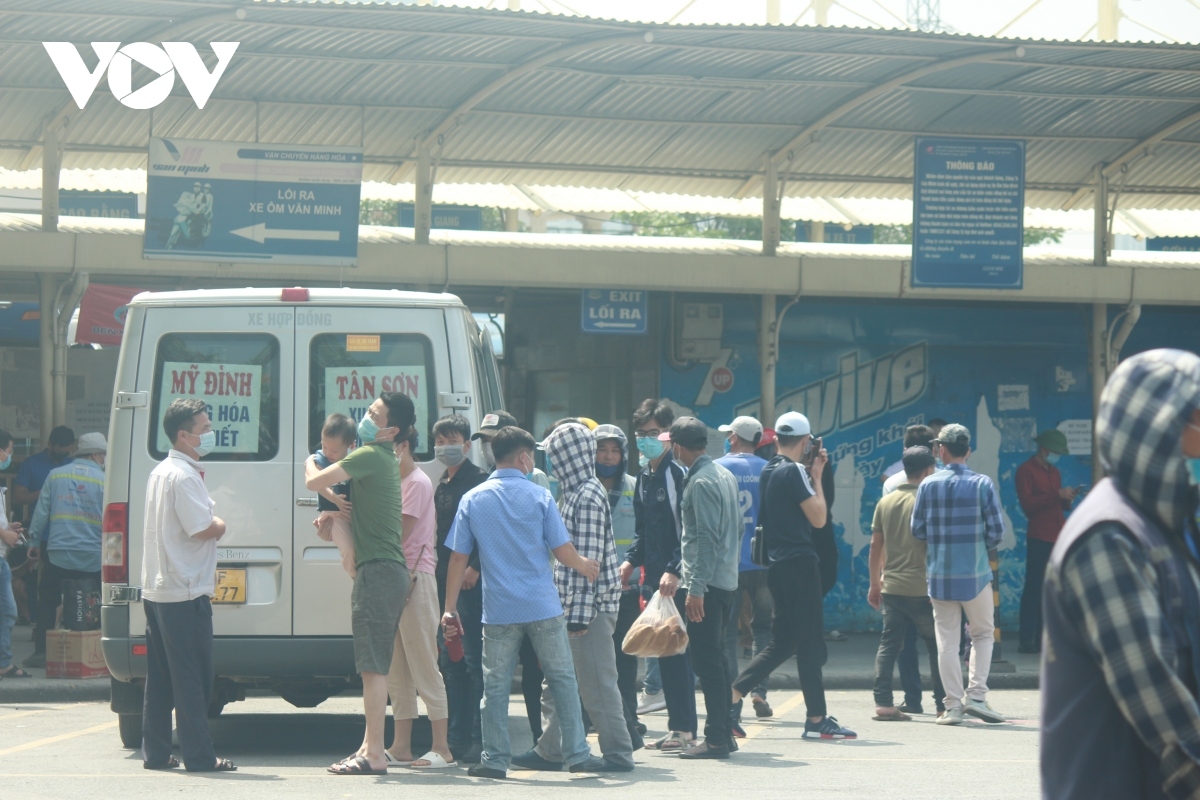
{"x": 710, "y": 546}
{"x": 591, "y": 607}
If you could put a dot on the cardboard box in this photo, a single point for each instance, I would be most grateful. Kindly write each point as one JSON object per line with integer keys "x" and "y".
{"x": 74, "y": 654}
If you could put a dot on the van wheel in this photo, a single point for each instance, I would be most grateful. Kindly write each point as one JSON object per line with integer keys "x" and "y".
{"x": 130, "y": 726}
{"x": 306, "y": 696}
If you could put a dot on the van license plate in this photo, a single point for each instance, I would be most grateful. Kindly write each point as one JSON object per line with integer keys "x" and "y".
{"x": 231, "y": 586}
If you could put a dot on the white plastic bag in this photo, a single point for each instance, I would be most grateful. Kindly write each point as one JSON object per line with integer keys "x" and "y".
{"x": 660, "y": 631}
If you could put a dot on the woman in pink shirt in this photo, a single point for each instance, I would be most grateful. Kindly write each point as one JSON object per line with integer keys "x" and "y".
{"x": 414, "y": 669}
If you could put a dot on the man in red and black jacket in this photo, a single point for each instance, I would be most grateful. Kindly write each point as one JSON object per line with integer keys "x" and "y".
{"x": 1044, "y": 501}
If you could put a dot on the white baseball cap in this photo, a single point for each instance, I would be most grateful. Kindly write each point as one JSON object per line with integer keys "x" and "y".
{"x": 793, "y": 423}
{"x": 747, "y": 428}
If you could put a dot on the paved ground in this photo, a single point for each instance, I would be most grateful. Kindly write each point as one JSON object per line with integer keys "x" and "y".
{"x": 63, "y": 751}
{"x": 851, "y": 665}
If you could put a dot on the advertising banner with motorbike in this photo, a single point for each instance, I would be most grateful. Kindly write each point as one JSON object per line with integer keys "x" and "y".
{"x": 258, "y": 203}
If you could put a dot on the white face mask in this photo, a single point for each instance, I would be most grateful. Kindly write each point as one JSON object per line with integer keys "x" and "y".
{"x": 487, "y": 454}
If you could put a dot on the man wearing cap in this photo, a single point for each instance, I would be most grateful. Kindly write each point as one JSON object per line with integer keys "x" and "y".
{"x": 957, "y": 514}
{"x": 709, "y": 548}
{"x": 66, "y": 529}
{"x": 744, "y": 435}
{"x": 1043, "y": 499}
{"x": 792, "y": 508}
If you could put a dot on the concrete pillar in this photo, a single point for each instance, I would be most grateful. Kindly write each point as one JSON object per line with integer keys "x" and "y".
{"x": 1108, "y": 18}
{"x": 62, "y": 320}
{"x": 47, "y": 286}
{"x": 1098, "y": 340}
{"x": 51, "y": 164}
{"x": 514, "y": 5}
{"x": 423, "y": 206}
{"x": 773, "y": 12}
{"x": 816, "y": 231}
{"x": 770, "y": 212}
{"x": 766, "y": 360}
{"x": 512, "y": 220}
{"x": 821, "y": 10}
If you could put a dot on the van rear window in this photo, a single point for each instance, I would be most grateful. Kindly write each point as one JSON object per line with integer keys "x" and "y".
{"x": 347, "y": 371}
{"x": 237, "y": 375}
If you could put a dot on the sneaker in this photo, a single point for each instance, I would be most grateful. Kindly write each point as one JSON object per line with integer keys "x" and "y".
{"x": 951, "y": 716}
{"x": 981, "y": 710}
{"x": 827, "y": 728}
{"x": 738, "y": 731}
{"x": 912, "y": 708}
{"x": 35, "y": 661}
{"x": 591, "y": 764}
{"x": 762, "y": 709}
{"x": 651, "y": 701}
{"x": 531, "y": 760}
{"x": 480, "y": 771}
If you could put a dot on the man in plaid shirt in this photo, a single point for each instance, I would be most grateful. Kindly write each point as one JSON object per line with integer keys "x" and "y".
{"x": 590, "y": 606}
{"x": 957, "y": 513}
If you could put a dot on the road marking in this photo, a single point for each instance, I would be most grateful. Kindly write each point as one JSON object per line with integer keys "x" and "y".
{"x": 63, "y": 737}
{"x": 27, "y": 713}
{"x": 755, "y": 728}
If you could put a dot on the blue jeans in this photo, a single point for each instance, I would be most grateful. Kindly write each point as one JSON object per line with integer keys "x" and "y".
{"x": 653, "y": 682}
{"x": 8, "y": 615}
{"x": 501, "y": 648}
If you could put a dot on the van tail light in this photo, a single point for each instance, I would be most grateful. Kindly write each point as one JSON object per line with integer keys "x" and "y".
{"x": 295, "y": 294}
{"x": 114, "y": 557}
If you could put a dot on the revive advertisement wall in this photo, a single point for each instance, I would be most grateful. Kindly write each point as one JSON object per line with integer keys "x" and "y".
{"x": 862, "y": 372}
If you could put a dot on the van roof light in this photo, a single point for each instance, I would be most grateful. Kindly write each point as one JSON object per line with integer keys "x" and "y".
{"x": 295, "y": 294}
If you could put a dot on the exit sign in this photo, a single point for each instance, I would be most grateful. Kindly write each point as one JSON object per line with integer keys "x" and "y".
{"x": 614, "y": 310}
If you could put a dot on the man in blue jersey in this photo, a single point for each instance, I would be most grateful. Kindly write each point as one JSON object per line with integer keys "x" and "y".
{"x": 745, "y": 434}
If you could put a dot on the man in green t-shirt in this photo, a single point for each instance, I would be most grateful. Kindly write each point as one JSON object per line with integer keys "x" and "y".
{"x": 381, "y": 586}
{"x": 898, "y": 585}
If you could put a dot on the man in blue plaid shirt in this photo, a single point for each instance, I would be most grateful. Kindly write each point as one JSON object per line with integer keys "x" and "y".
{"x": 957, "y": 513}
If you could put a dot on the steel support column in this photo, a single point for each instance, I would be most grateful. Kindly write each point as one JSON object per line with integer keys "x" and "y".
{"x": 47, "y": 287}
{"x": 423, "y": 206}
{"x": 766, "y": 359}
{"x": 770, "y": 212}
{"x": 1098, "y": 340}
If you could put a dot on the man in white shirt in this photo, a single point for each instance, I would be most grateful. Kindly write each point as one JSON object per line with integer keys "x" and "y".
{"x": 179, "y": 569}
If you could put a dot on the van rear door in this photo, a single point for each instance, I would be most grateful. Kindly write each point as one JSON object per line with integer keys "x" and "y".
{"x": 239, "y": 360}
{"x": 345, "y": 357}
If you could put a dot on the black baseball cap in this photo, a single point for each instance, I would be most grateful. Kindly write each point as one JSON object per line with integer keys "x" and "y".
{"x": 687, "y": 432}
{"x": 492, "y": 423}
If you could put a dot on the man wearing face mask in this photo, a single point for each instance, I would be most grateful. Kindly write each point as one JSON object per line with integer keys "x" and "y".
{"x": 1043, "y": 499}
{"x": 66, "y": 531}
{"x": 452, "y": 442}
{"x": 492, "y": 423}
{"x": 382, "y": 583}
{"x": 179, "y": 569}
{"x": 1120, "y": 714}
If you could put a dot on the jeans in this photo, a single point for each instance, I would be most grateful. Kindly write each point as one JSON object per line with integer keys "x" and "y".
{"x": 50, "y": 597}
{"x": 464, "y": 679}
{"x": 653, "y": 682}
{"x": 501, "y": 648}
{"x": 679, "y": 684}
{"x": 947, "y": 618}
{"x": 1037, "y": 555}
{"x": 754, "y": 584}
{"x": 596, "y": 672}
{"x": 531, "y": 687}
{"x": 900, "y": 615}
{"x": 179, "y": 676}
{"x": 798, "y": 628}
{"x": 707, "y": 650}
{"x": 8, "y": 615}
{"x": 910, "y": 670}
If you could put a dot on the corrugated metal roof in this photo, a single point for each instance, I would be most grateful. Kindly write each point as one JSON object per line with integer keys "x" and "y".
{"x": 690, "y": 112}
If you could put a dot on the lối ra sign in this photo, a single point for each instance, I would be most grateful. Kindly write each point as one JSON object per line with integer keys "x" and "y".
{"x": 165, "y": 61}
{"x": 613, "y": 311}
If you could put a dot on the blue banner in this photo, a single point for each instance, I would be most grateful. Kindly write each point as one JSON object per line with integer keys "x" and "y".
{"x": 1173, "y": 244}
{"x": 968, "y": 213}
{"x": 223, "y": 201}
{"x": 111, "y": 205}
{"x": 450, "y": 218}
{"x": 836, "y": 234}
{"x": 614, "y": 311}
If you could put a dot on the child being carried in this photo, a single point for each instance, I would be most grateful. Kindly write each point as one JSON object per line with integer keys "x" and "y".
{"x": 333, "y": 504}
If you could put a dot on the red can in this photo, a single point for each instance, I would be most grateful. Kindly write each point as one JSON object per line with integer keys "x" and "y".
{"x": 454, "y": 646}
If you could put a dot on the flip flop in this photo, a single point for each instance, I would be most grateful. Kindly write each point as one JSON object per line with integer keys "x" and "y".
{"x": 357, "y": 765}
{"x": 435, "y": 762}
{"x": 395, "y": 762}
{"x": 898, "y": 716}
{"x": 15, "y": 672}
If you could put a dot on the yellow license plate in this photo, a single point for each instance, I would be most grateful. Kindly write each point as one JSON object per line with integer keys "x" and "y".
{"x": 231, "y": 586}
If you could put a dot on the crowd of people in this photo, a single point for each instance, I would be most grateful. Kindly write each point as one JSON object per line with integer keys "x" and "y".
{"x": 456, "y": 584}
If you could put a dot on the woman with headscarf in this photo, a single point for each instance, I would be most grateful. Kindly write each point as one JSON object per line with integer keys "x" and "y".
{"x": 1121, "y": 657}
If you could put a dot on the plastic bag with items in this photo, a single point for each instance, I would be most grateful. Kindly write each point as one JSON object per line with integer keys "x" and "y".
{"x": 659, "y": 632}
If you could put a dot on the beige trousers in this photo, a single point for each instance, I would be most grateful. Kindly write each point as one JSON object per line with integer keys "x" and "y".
{"x": 414, "y": 668}
{"x": 947, "y": 625}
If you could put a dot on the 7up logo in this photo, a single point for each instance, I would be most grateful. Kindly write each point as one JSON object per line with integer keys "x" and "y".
{"x": 172, "y": 57}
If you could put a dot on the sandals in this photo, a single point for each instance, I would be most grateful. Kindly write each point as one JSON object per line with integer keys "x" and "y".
{"x": 15, "y": 672}
{"x": 435, "y": 762}
{"x": 673, "y": 742}
{"x": 355, "y": 765}
{"x": 395, "y": 762}
{"x": 172, "y": 763}
{"x": 895, "y": 716}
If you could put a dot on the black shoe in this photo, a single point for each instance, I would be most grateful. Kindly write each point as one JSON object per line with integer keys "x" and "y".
{"x": 612, "y": 766}
{"x": 737, "y": 731}
{"x": 641, "y": 729}
{"x": 531, "y": 760}
{"x": 1029, "y": 649}
{"x": 36, "y": 661}
{"x": 733, "y": 745}
{"x": 591, "y": 764}
{"x": 912, "y": 708}
{"x": 705, "y": 750}
{"x": 480, "y": 771}
{"x": 473, "y": 754}
{"x": 762, "y": 709}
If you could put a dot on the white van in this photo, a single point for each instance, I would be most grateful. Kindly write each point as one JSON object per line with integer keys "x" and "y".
{"x": 271, "y": 364}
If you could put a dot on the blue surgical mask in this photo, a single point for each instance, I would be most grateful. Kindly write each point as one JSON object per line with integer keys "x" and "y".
{"x": 208, "y": 440}
{"x": 728, "y": 446}
{"x": 367, "y": 430}
{"x": 937, "y": 462}
{"x": 1052, "y": 458}
{"x": 603, "y": 470}
{"x": 650, "y": 446}
{"x": 7, "y": 462}
{"x": 1193, "y": 466}
{"x": 450, "y": 454}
